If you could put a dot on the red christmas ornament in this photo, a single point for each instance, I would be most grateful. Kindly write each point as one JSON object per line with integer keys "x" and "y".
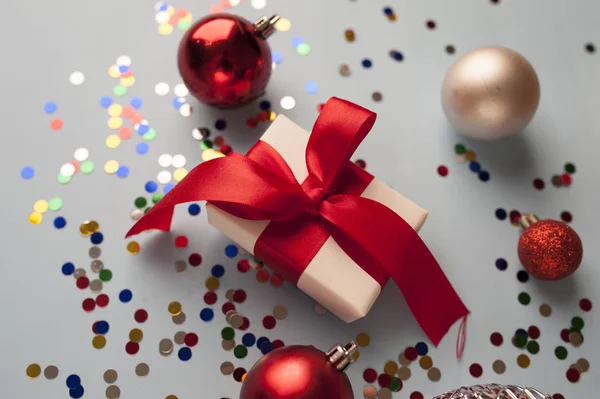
{"x": 301, "y": 372}
{"x": 225, "y": 61}
{"x": 548, "y": 249}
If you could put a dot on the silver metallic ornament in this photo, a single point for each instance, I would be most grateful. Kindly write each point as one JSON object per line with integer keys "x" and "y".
{"x": 493, "y": 391}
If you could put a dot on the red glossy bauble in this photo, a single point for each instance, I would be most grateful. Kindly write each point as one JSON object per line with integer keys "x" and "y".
{"x": 296, "y": 372}
{"x": 225, "y": 61}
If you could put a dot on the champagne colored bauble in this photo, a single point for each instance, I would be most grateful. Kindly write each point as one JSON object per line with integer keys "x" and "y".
{"x": 490, "y": 93}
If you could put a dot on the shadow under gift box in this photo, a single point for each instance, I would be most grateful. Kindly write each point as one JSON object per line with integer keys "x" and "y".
{"x": 352, "y": 296}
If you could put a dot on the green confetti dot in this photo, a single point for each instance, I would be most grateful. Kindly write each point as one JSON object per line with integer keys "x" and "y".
{"x": 119, "y": 91}
{"x": 460, "y": 149}
{"x": 561, "y": 352}
{"x": 524, "y": 298}
{"x": 86, "y": 167}
{"x": 157, "y": 197}
{"x": 149, "y": 135}
{"x": 570, "y": 168}
{"x": 227, "y": 333}
{"x": 140, "y": 202}
{"x": 520, "y": 340}
{"x": 206, "y": 144}
{"x": 533, "y": 347}
{"x": 394, "y": 385}
{"x": 105, "y": 275}
{"x": 574, "y": 329}
{"x": 55, "y": 204}
{"x": 303, "y": 49}
{"x": 147, "y": 209}
{"x": 240, "y": 351}
{"x": 63, "y": 179}
{"x": 577, "y": 322}
{"x": 184, "y": 25}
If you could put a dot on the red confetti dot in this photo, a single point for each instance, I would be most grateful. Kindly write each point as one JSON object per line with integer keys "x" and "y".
{"x": 276, "y": 280}
{"x": 182, "y": 12}
{"x": 245, "y": 324}
{"x": 132, "y": 347}
{"x": 585, "y": 305}
{"x": 262, "y": 275}
{"x": 370, "y": 375}
{"x": 539, "y": 184}
{"x": 558, "y": 396}
{"x": 564, "y": 335}
{"x": 384, "y": 380}
{"x": 566, "y": 179}
{"x": 190, "y": 339}
{"x": 476, "y": 370}
{"x": 128, "y": 111}
{"x": 515, "y": 216}
{"x": 263, "y": 116}
{"x": 360, "y": 163}
{"x": 88, "y": 304}
{"x": 269, "y": 322}
{"x": 195, "y": 259}
{"x": 124, "y": 133}
{"x": 431, "y": 24}
{"x": 135, "y": 119}
{"x": 251, "y": 122}
{"x": 533, "y": 332}
{"x": 566, "y": 216}
{"x": 75, "y": 165}
{"x": 56, "y": 124}
{"x": 226, "y": 149}
{"x": 572, "y": 375}
{"x": 278, "y": 344}
{"x": 210, "y": 298}
{"x": 243, "y": 266}
{"x": 82, "y": 282}
{"x": 416, "y": 395}
{"x": 239, "y": 296}
{"x": 219, "y": 141}
{"x": 227, "y": 306}
{"x": 411, "y": 353}
{"x": 239, "y": 373}
{"x": 442, "y": 170}
{"x": 181, "y": 241}
{"x": 94, "y": 327}
{"x": 140, "y": 315}
{"x": 496, "y": 339}
{"x": 102, "y": 300}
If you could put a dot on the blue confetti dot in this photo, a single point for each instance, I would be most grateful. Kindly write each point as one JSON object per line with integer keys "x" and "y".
{"x": 501, "y": 264}
{"x": 500, "y": 213}
{"x": 277, "y": 57}
{"x": 261, "y": 341}
{"x": 164, "y": 7}
{"x": 398, "y": 56}
{"x": 123, "y": 68}
{"x": 151, "y": 187}
{"x": 207, "y": 314}
{"x": 106, "y": 102}
{"x": 217, "y": 271}
{"x": 122, "y": 172}
{"x": 77, "y": 392}
{"x": 73, "y": 381}
{"x": 102, "y": 327}
{"x": 311, "y": 87}
{"x": 297, "y": 40}
{"x": 96, "y": 238}
{"x": 266, "y": 347}
{"x": 475, "y": 166}
{"x": 178, "y": 102}
{"x": 388, "y": 11}
{"x": 231, "y": 251}
{"x": 484, "y": 176}
{"x": 68, "y": 269}
{"x": 221, "y": 124}
{"x": 522, "y": 276}
{"x": 422, "y": 348}
{"x": 143, "y": 129}
{"x": 521, "y": 331}
{"x": 168, "y": 187}
{"x": 265, "y": 105}
{"x": 184, "y": 354}
{"x": 367, "y": 63}
{"x": 27, "y": 172}
{"x": 194, "y": 209}
{"x": 248, "y": 339}
{"x": 141, "y": 148}
{"x": 125, "y": 296}
{"x": 136, "y": 102}
{"x": 60, "y": 222}
{"x": 50, "y": 107}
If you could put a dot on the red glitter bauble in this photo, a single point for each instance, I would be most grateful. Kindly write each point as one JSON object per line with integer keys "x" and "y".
{"x": 225, "y": 61}
{"x": 550, "y": 250}
{"x": 295, "y": 372}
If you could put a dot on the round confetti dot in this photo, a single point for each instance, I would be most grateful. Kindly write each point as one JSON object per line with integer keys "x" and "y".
{"x": 311, "y": 88}
{"x": 27, "y": 172}
{"x": 195, "y": 259}
{"x": 573, "y": 375}
{"x": 411, "y": 353}
{"x": 56, "y": 124}
{"x": 206, "y": 314}
{"x": 484, "y": 176}
{"x": 101, "y": 327}
{"x": 115, "y": 110}
{"x": 184, "y": 354}
{"x": 119, "y": 90}
{"x": 499, "y": 367}
{"x": 33, "y": 370}
{"x": 450, "y": 49}
{"x": 111, "y": 167}
{"x": 561, "y": 352}
{"x": 363, "y": 340}
{"x": 76, "y": 78}
{"x": 384, "y": 380}
{"x": 303, "y": 49}
{"x": 105, "y": 275}
{"x": 240, "y": 351}
{"x": 102, "y": 300}
{"x": 60, "y": 222}
{"x": 122, "y": 172}
{"x": 496, "y": 339}
{"x": 269, "y": 322}
{"x": 136, "y": 102}
{"x": 174, "y": 308}
{"x": 51, "y": 372}
{"x": 132, "y": 348}
{"x": 140, "y": 315}
{"x": 577, "y": 322}
{"x": 55, "y": 204}
{"x": 181, "y": 241}
{"x": 476, "y": 370}
{"x": 533, "y": 347}
{"x": 88, "y": 305}
{"x": 142, "y": 148}
{"x": 217, "y": 271}
{"x": 426, "y": 362}
{"x": 390, "y": 368}
{"x": 239, "y": 296}
{"x": 191, "y": 339}
{"x": 179, "y": 174}
{"x": 194, "y": 209}
{"x": 105, "y": 102}
{"x": 522, "y": 276}
{"x": 142, "y": 370}
{"x": 288, "y": 102}
{"x": 133, "y": 247}
{"x": 136, "y": 335}
{"x": 40, "y": 206}
{"x": 125, "y": 296}
{"x": 545, "y": 310}
{"x": 99, "y": 341}
{"x": 585, "y": 305}
{"x": 442, "y": 170}
{"x": 76, "y": 393}
{"x": 35, "y": 218}
{"x": 164, "y": 177}
{"x": 73, "y": 381}
{"x": 538, "y": 184}
{"x": 370, "y": 375}
{"x": 533, "y": 332}
{"x": 570, "y": 168}
{"x": 501, "y": 264}
{"x": 161, "y": 89}
{"x": 50, "y": 107}
{"x": 367, "y": 63}
{"x": 68, "y": 268}
{"x": 566, "y": 216}
{"x": 87, "y": 167}
{"x": 113, "y": 141}
{"x": 524, "y": 298}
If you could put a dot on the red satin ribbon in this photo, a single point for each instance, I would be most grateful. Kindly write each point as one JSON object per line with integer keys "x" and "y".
{"x": 261, "y": 186}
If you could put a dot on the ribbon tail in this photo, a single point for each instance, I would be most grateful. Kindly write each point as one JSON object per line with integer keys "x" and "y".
{"x": 356, "y": 225}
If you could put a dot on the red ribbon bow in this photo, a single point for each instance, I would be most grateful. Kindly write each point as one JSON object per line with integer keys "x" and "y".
{"x": 261, "y": 186}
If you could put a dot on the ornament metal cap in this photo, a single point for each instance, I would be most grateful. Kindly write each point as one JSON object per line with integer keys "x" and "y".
{"x": 527, "y": 220}
{"x": 494, "y": 391}
{"x": 342, "y": 357}
{"x": 264, "y": 26}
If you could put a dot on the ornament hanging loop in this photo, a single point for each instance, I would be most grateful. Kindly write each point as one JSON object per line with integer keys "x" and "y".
{"x": 265, "y": 26}
{"x": 527, "y": 220}
{"x": 342, "y": 357}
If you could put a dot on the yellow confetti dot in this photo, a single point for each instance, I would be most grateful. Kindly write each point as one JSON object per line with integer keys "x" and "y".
{"x": 390, "y": 368}
{"x": 99, "y": 341}
{"x": 363, "y": 339}
{"x": 210, "y": 154}
{"x": 175, "y": 308}
{"x": 33, "y": 370}
{"x": 136, "y": 335}
{"x": 212, "y": 283}
{"x": 179, "y": 174}
{"x": 113, "y": 141}
{"x": 40, "y": 206}
{"x": 115, "y": 122}
{"x": 92, "y": 226}
{"x": 127, "y": 81}
{"x": 111, "y": 167}
{"x": 115, "y": 109}
{"x": 170, "y": 11}
{"x": 133, "y": 247}
{"x": 356, "y": 355}
{"x": 165, "y": 29}
{"x": 470, "y": 155}
{"x": 272, "y": 116}
{"x": 187, "y": 18}
{"x": 113, "y": 71}
{"x": 283, "y": 25}
{"x": 35, "y": 218}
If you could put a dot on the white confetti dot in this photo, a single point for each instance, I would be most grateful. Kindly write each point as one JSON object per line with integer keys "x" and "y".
{"x": 185, "y": 110}
{"x": 234, "y": 3}
{"x": 165, "y": 160}
{"x": 81, "y": 154}
{"x": 158, "y": 5}
{"x": 180, "y": 90}
{"x": 123, "y": 60}
{"x": 197, "y": 134}
{"x": 161, "y": 88}
{"x": 67, "y": 170}
{"x": 76, "y": 78}
{"x": 259, "y": 4}
{"x": 288, "y": 102}
{"x": 163, "y": 177}
{"x": 179, "y": 161}
{"x": 162, "y": 17}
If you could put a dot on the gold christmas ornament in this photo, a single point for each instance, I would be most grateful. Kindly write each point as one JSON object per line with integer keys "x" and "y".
{"x": 490, "y": 93}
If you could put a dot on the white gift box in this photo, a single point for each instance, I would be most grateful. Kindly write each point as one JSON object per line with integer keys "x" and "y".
{"x": 352, "y": 296}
